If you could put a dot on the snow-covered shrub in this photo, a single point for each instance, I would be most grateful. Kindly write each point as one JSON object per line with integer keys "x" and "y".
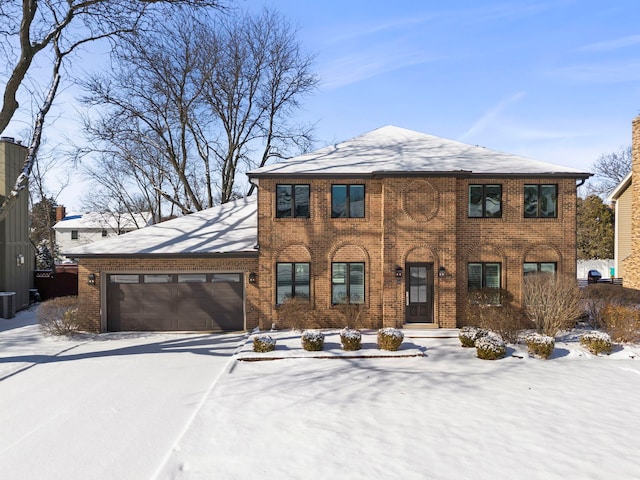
{"x": 596, "y": 342}
{"x": 351, "y": 339}
{"x": 622, "y": 323}
{"x": 59, "y": 316}
{"x": 390, "y": 339}
{"x": 469, "y": 335}
{"x": 540, "y": 346}
{"x": 263, "y": 343}
{"x": 312, "y": 340}
{"x": 490, "y": 347}
{"x": 493, "y": 309}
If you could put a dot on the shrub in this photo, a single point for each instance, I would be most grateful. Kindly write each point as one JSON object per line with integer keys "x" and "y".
{"x": 469, "y": 335}
{"x": 598, "y": 296}
{"x": 59, "y": 316}
{"x": 296, "y": 313}
{"x": 390, "y": 339}
{"x": 490, "y": 347}
{"x": 351, "y": 339}
{"x": 353, "y": 313}
{"x": 596, "y": 342}
{"x": 551, "y": 302}
{"x": 263, "y": 343}
{"x": 493, "y": 309}
{"x": 540, "y": 346}
{"x": 621, "y": 323}
{"x": 312, "y": 340}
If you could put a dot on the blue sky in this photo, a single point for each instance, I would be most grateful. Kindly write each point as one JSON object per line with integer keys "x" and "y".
{"x": 553, "y": 80}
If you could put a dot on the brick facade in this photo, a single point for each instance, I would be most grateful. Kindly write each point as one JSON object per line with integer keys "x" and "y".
{"x": 631, "y": 264}
{"x": 411, "y": 219}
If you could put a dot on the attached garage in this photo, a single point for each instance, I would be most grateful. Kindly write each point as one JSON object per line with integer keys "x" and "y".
{"x": 182, "y": 301}
{"x": 194, "y": 273}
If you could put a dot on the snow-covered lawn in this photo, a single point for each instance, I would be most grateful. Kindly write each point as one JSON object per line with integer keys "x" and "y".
{"x": 180, "y": 406}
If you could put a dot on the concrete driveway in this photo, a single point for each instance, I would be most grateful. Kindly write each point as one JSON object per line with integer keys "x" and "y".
{"x": 100, "y": 406}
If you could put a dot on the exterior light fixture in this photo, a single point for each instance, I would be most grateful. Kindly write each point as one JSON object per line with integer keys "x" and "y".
{"x": 442, "y": 272}
{"x": 398, "y": 272}
{"x": 253, "y": 277}
{"x": 20, "y": 260}
{"x": 91, "y": 279}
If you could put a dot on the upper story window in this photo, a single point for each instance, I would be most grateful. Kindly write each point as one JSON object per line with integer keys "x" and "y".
{"x": 537, "y": 267}
{"x": 540, "y": 201}
{"x": 74, "y": 234}
{"x": 347, "y": 201}
{"x": 104, "y": 233}
{"x": 292, "y": 280}
{"x": 292, "y": 201}
{"x": 485, "y": 201}
{"x": 347, "y": 283}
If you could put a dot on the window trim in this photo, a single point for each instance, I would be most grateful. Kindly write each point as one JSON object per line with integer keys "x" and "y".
{"x": 292, "y": 293}
{"x": 348, "y": 199}
{"x": 484, "y": 200}
{"x": 75, "y": 235}
{"x": 347, "y": 282}
{"x": 539, "y": 202}
{"x": 292, "y": 211}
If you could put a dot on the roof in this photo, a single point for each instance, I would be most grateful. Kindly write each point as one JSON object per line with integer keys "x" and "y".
{"x": 393, "y": 150}
{"x": 104, "y": 221}
{"x": 227, "y": 228}
{"x": 620, "y": 189}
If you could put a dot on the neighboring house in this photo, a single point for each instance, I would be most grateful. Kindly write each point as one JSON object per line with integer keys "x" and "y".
{"x": 627, "y": 234}
{"x": 17, "y": 253}
{"x": 621, "y": 200}
{"x": 77, "y": 229}
{"x": 402, "y": 222}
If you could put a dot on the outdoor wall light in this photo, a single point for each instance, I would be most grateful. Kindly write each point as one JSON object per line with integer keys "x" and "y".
{"x": 253, "y": 277}
{"x": 20, "y": 260}
{"x": 398, "y": 272}
{"x": 442, "y": 272}
{"x": 91, "y": 279}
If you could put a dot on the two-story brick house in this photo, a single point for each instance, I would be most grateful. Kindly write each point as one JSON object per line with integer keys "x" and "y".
{"x": 401, "y": 221}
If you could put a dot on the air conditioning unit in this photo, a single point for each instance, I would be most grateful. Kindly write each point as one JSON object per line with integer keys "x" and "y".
{"x": 7, "y": 304}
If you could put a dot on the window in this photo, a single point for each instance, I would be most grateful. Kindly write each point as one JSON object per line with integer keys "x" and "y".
{"x": 540, "y": 201}
{"x": 484, "y": 275}
{"x": 536, "y": 267}
{"x": 158, "y": 278}
{"x": 292, "y": 280}
{"x": 347, "y": 201}
{"x": 292, "y": 201}
{"x": 347, "y": 283}
{"x": 74, "y": 234}
{"x": 485, "y": 201}
{"x": 104, "y": 233}
{"x": 192, "y": 278}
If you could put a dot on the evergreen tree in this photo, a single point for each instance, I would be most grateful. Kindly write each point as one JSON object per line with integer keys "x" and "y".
{"x": 595, "y": 224}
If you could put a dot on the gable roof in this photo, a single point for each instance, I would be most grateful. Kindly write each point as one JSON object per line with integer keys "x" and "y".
{"x": 223, "y": 229}
{"x": 104, "y": 221}
{"x": 392, "y": 150}
{"x": 620, "y": 189}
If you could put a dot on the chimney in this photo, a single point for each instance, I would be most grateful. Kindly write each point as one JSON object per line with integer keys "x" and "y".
{"x": 61, "y": 212}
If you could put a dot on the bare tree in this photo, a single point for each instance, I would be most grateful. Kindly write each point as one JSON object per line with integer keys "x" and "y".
{"x": 192, "y": 105}
{"x": 610, "y": 169}
{"x": 33, "y": 28}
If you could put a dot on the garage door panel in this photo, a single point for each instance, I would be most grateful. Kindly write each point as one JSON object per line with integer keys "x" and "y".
{"x": 176, "y": 305}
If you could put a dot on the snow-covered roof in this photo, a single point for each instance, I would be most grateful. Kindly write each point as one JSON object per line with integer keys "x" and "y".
{"x": 621, "y": 188}
{"x": 393, "y": 150}
{"x": 228, "y": 228}
{"x": 104, "y": 221}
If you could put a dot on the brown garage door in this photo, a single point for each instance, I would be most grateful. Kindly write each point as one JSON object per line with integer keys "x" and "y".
{"x": 164, "y": 302}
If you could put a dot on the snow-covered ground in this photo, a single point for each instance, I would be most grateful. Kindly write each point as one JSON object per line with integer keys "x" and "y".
{"x": 137, "y": 406}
